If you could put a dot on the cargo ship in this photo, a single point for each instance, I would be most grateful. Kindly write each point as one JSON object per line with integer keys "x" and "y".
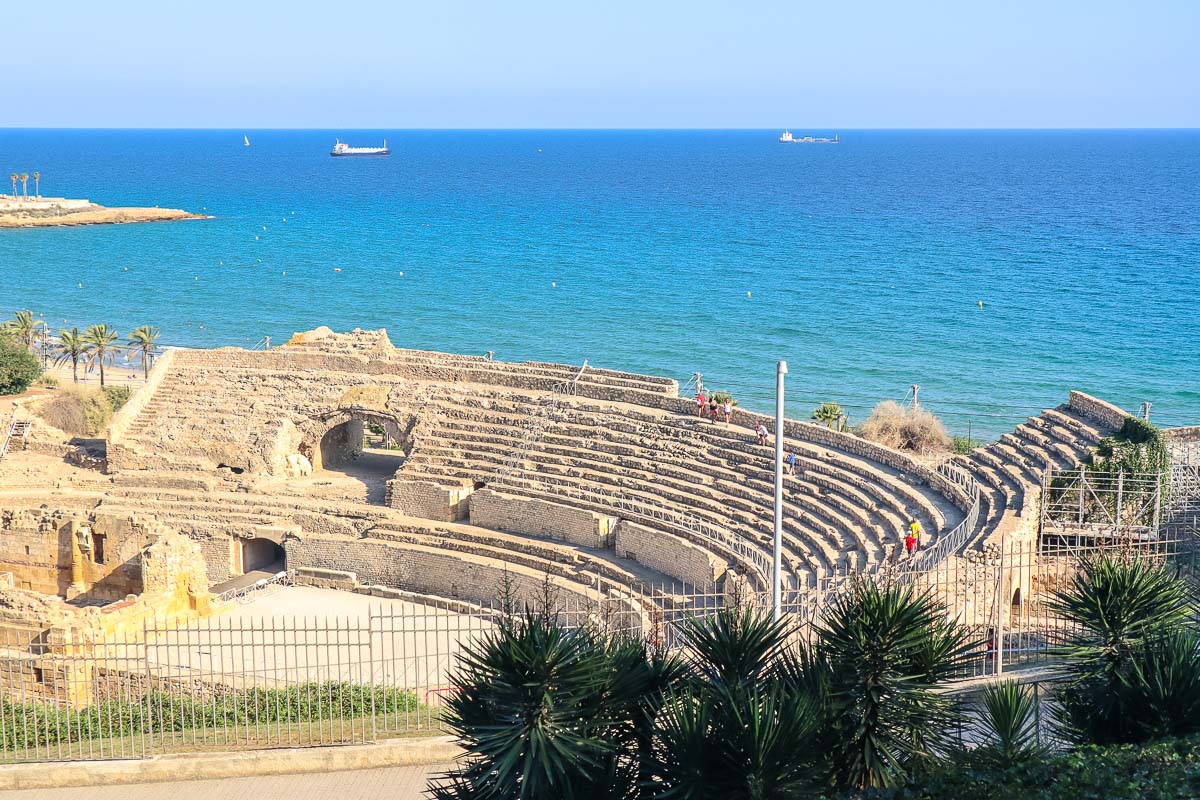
{"x": 787, "y": 138}
{"x": 340, "y": 148}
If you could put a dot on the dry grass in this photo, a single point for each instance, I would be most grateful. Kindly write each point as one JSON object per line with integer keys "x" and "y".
{"x": 80, "y": 412}
{"x": 905, "y": 428}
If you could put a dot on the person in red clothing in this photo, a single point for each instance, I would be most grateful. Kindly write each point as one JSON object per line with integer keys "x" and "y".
{"x": 910, "y": 543}
{"x": 701, "y": 404}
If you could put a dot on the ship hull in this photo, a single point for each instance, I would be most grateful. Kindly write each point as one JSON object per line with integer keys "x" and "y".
{"x": 361, "y": 155}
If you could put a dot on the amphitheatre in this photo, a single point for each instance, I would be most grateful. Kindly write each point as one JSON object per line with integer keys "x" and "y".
{"x": 230, "y": 466}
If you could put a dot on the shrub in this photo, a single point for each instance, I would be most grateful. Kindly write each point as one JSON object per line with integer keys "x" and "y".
{"x": 724, "y": 397}
{"x": 964, "y": 446}
{"x": 80, "y": 412}
{"x": 117, "y": 396}
{"x": 49, "y": 381}
{"x": 905, "y": 428}
{"x": 18, "y": 367}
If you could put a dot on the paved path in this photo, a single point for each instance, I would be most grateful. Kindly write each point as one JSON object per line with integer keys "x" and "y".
{"x": 392, "y": 783}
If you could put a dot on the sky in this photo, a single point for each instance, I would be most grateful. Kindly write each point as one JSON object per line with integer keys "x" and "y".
{"x": 612, "y": 64}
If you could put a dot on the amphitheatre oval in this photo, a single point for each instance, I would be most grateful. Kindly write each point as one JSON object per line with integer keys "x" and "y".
{"x": 451, "y": 476}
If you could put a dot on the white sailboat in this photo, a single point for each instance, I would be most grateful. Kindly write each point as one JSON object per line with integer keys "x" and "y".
{"x": 246, "y": 139}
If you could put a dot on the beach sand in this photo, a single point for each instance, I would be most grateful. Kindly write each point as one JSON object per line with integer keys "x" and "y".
{"x": 94, "y": 215}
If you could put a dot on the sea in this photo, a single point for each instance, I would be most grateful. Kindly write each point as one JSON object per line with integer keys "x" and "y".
{"x": 995, "y": 270}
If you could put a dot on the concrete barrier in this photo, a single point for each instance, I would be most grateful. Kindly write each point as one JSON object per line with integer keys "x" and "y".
{"x": 243, "y": 764}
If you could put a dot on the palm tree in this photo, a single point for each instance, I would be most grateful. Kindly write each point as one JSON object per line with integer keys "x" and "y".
{"x": 829, "y": 414}
{"x": 37, "y": 184}
{"x": 13, "y": 177}
{"x": 70, "y": 347}
{"x": 99, "y": 340}
{"x": 25, "y": 184}
{"x": 25, "y": 328}
{"x": 142, "y": 342}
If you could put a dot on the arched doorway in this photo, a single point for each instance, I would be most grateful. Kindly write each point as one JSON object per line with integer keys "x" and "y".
{"x": 262, "y": 555}
{"x": 354, "y": 452}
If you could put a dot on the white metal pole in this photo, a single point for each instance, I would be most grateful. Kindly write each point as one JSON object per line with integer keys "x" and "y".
{"x": 777, "y": 562}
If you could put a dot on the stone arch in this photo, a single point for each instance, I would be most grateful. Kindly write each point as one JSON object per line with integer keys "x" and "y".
{"x": 338, "y": 433}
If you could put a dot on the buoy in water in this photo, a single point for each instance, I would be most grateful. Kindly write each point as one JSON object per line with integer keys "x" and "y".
{"x": 220, "y": 263}
{"x": 981, "y": 304}
{"x": 337, "y": 269}
{"x": 256, "y": 238}
{"x": 748, "y": 294}
{"x": 80, "y": 285}
{"x": 264, "y": 227}
{"x": 401, "y": 274}
{"x": 284, "y": 272}
{"x": 553, "y": 285}
{"x": 126, "y": 269}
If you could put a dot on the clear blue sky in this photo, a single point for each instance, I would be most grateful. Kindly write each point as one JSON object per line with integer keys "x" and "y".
{"x": 567, "y": 63}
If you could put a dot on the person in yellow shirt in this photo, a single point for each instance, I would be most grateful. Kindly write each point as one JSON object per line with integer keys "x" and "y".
{"x": 916, "y": 531}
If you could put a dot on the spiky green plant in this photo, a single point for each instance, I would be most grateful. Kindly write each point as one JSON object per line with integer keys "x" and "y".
{"x": 880, "y": 653}
{"x": 739, "y": 729}
{"x": 1121, "y": 606}
{"x": 1008, "y": 719}
{"x": 1163, "y": 687}
{"x": 551, "y": 712}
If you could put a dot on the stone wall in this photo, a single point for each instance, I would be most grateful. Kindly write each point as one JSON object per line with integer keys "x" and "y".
{"x": 71, "y": 554}
{"x": 418, "y": 569}
{"x": 490, "y": 509}
{"x": 667, "y": 554}
{"x": 429, "y": 499}
{"x": 1097, "y": 409}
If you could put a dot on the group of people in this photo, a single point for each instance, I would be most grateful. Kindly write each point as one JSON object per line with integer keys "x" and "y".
{"x": 709, "y": 405}
{"x": 913, "y": 540}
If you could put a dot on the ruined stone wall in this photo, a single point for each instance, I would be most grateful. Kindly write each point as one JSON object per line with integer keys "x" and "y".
{"x": 1097, "y": 409}
{"x": 667, "y": 554}
{"x": 94, "y": 555}
{"x": 490, "y": 509}
{"x": 415, "y": 569}
{"x": 429, "y": 499}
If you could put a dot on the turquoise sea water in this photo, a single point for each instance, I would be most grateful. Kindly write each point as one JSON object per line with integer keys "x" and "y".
{"x": 864, "y": 261}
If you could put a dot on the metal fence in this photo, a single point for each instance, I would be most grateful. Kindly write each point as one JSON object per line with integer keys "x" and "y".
{"x": 237, "y": 681}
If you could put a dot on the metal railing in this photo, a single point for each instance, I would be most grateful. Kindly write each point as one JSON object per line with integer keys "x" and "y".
{"x": 243, "y": 593}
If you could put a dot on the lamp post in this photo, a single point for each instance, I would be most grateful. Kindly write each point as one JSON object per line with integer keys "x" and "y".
{"x": 777, "y": 554}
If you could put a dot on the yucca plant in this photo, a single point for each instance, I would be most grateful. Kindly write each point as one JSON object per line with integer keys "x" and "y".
{"x": 551, "y": 712}
{"x": 1008, "y": 719}
{"x": 881, "y": 651}
{"x": 738, "y": 729}
{"x": 1162, "y": 687}
{"x": 1124, "y": 608}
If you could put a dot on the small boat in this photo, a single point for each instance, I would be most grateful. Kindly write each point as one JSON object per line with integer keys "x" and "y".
{"x": 246, "y": 140}
{"x": 340, "y": 148}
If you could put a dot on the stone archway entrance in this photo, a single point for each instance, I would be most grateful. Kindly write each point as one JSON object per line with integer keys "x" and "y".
{"x": 355, "y": 451}
{"x": 262, "y": 555}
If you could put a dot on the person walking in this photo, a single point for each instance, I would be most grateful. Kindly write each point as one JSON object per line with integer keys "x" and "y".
{"x": 915, "y": 531}
{"x": 910, "y": 544}
{"x": 791, "y": 463}
{"x": 701, "y": 402}
{"x": 728, "y": 411}
{"x": 712, "y": 409}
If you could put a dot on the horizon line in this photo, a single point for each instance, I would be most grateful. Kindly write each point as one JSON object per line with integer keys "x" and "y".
{"x": 594, "y": 129}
